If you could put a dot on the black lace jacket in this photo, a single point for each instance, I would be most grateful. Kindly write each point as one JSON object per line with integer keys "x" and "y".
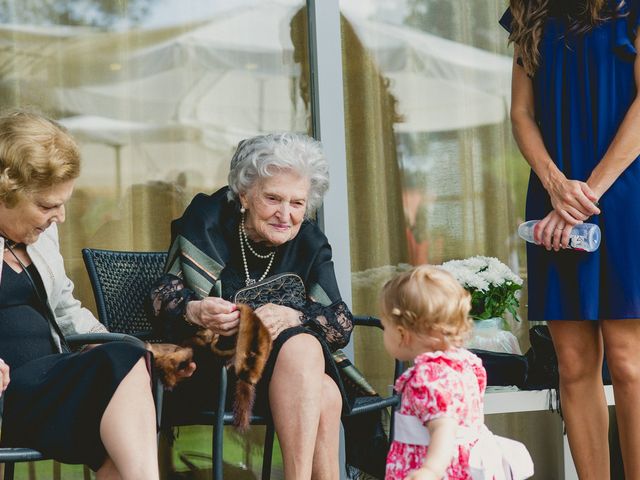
{"x": 308, "y": 255}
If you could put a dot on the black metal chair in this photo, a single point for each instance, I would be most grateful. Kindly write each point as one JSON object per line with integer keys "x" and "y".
{"x": 121, "y": 281}
{"x": 10, "y": 456}
{"x": 369, "y": 404}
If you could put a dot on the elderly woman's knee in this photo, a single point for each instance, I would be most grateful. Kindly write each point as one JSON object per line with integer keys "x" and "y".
{"x": 331, "y": 396}
{"x": 303, "y": 348}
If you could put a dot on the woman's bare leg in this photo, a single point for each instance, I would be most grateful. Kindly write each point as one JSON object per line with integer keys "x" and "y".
{"x": 622, "y": 347}
{"x": 579, "y": 348}
{"x": 128, "y": 429}
{"x": 295, "y": 398}
{"x": 326, "y": 455}
{"x": 108, "y": 471}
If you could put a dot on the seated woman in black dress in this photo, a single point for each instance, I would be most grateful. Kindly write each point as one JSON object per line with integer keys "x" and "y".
{"x": 252, "y": 229}
{"x": 94, "y": 407}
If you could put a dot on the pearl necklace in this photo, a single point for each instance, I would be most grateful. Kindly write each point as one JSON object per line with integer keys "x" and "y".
{"x": 243, "y": 239}
{"x": 243, "y": 236}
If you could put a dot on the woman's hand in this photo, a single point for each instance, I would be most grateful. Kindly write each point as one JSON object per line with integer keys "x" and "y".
{"x": 574, "y": 201}
{"x": 278, "y": 318}
{"x": 214, "y": 313}
{"x": 4, "y": 376}
{"x": 552, "y": 232}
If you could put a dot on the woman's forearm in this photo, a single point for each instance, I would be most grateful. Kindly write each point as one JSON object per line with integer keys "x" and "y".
{"x": 166, "y": 307}
{"x": 624, "y": 149}
{"x": 573, "y": 200}
{"x": 334, "y": 322}
{"x": 525, "y": 129}
{"x": 529, "y": 140}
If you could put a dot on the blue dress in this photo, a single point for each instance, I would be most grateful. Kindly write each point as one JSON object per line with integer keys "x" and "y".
{"x": 583, "y": 88}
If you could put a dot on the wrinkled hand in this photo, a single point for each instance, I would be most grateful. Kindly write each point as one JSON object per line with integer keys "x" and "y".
{"x": 277, "y": 318}
{"x": 214, "y": 313}
{"x": 4, "y": 376}
{"x": 552, "y": 232}
{"x": 422, "y": 474}
{"x": 571, "y": 199}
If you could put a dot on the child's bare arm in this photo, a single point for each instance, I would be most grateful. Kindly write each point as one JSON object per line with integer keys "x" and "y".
{"x": 441, "y": 450}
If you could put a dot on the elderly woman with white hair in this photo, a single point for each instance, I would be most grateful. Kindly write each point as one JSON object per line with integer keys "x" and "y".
{"x": 257, "y": 227}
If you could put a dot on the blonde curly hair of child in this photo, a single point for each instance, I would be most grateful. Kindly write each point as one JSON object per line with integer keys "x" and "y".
{"x": 428, "y": 299}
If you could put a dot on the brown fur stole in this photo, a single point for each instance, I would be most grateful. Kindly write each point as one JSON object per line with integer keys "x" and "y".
{"x": 252, "y": 350}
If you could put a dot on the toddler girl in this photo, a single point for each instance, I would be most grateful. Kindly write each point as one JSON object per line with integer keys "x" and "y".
{"x": 439, "y": 428}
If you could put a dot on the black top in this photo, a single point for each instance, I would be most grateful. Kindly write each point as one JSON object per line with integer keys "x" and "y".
{"x": 24, "y": 328}
{"x": 211, "y": 224}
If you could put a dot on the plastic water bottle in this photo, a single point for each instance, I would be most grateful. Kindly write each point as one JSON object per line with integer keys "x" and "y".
{"x": 584, "y": 236}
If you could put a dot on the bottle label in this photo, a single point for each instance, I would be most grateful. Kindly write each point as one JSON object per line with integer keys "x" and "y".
{"x": 577, "y": 242}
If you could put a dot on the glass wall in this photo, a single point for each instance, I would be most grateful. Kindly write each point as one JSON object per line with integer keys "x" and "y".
{"x": 433, "y": 171}
{"x": 158, "y": 93}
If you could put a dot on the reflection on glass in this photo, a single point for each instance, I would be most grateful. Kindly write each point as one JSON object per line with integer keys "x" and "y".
{"x": 448, "y": 71}
{"x": 462, "y": 180}
{"x": 156, "y": 98}
{"x": 447, "y": 183}
{"x": 158, "y": 93}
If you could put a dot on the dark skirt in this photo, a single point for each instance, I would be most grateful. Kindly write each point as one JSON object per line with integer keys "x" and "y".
{"x": 200, "y": 391}
{"x": 55, "y": 403}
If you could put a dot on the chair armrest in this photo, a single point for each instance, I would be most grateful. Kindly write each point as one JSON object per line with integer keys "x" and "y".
{"x": 369, "y": 321}
{"x": 103, "y": 337}
{"x": 11, "y": 455}
{"x": 147, "y": 336}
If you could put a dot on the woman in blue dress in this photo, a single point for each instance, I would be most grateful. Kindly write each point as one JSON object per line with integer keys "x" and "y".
{"x": 576, "y": 117}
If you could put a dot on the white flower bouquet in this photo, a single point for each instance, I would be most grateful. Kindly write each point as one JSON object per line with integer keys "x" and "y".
{"x": 494, "y": 288}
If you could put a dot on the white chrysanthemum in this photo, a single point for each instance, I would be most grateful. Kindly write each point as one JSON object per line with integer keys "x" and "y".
{"x": 480, "y": 272}
{"x": 483, "y": 274}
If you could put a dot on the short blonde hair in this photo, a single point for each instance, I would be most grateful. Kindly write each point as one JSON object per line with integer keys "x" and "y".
{"x": 428, "y": 298}
{"x": 35, "y": 153}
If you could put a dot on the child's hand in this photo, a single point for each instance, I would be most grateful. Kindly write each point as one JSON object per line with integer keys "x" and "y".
{"x": 422, "y": 474}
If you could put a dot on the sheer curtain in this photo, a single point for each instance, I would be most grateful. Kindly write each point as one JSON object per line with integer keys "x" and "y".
{"x": 450, "y": 182}
{"x": 433, "y": 171}
{"x": 158, "y": 93}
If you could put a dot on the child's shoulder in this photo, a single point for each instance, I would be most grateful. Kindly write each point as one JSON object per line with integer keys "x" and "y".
{"x": 453, "y": 357}
{"x": 430, "y": 366}
{"x": 444, "y": 363}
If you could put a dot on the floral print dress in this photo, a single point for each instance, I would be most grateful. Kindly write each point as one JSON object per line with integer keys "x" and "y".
{"x": 440, "y": 384}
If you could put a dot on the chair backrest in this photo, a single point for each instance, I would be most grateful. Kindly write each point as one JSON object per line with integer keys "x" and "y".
{"x": 121, "y": 283}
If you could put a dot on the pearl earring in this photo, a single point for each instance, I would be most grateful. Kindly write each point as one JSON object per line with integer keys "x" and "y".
{"x": 242, "y": 210}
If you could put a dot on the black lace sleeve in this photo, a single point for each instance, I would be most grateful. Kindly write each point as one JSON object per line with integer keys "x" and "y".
{"x": 167, "y": 306}
{"x": 333, "y": 322}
